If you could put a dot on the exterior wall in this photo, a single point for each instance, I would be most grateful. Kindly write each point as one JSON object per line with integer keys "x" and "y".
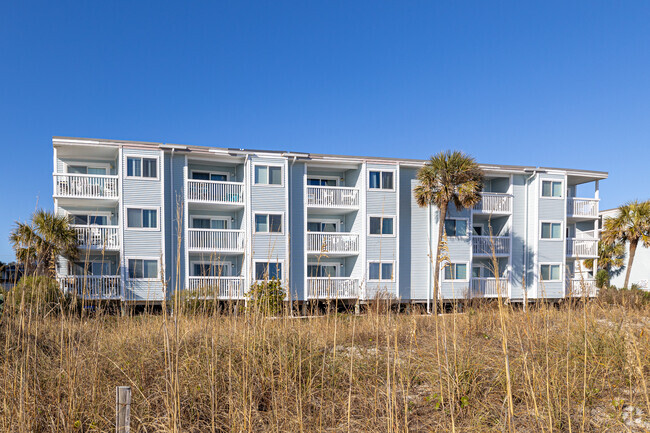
{"x": 139, "y": 243}
{"x": 411, "y": 249}
{"x": 381, "y": 248}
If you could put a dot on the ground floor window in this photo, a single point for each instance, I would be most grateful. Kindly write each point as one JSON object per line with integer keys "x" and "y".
{"x": 268, "y": 270}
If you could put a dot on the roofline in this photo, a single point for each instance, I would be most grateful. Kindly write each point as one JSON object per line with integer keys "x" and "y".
{"x": 57, "y": 140}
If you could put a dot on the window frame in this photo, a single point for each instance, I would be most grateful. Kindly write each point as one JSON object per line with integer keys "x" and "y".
{"x": 274, "y": 185}
{"x": 393, "y": 217}
{"x": 211, "y": 262}
{"x": 562, "y": 234}
{"x": 381, "y": 280}
{"x": 336, "y": 178}
{"x": 281, "y": 232}
{"x": 336, "y": 222}
{"x": 88, "y": 165}
{"x": 128, "y": 267}
{"x": 210, "y": 172}
{"x": 467, "y": 227}
{"x": 280, "y": 262}
{"x": 381, "y": 180}
{"x": 561, "y": 275}
{"x": 150, "y": 229}
{"x": 211, "y": 218}
{"x": 89, "y": 214}
{"x": 468, "y": 272}
{"x": 337, "y": 265}
{"x": 552, "y": 197}
{"x": 126, "y": 167}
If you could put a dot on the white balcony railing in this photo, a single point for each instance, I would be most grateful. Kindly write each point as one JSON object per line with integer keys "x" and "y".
{"x": 332, "y": 243}
{"x": 85, "y": 186}
{"x": 579, "y": 286}
{"x": 215, "y": 240}
{"x": 488, "y": 287}
{"x": 212, "y": 191}
{"x": 332, "y": 196}
{"x": 582, "y": 207}
{"x": 92, "y": 286}
{"x": 222, "y": 287}
{"x": 98, "y": 237}
{"x": 332, "y": 288}
{"x": 582, "y": 248}
{"x": 494, "y": 202}
{"x": 482, "y": 245}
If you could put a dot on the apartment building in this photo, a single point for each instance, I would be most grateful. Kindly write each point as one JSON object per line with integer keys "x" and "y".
{"x": 155, "y": 218}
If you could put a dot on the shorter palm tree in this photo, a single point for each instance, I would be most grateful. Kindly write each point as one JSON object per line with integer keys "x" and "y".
{"x": 448, "y": 177}
{"x": 631, "y": 225}
{"x": 38, "y": 245}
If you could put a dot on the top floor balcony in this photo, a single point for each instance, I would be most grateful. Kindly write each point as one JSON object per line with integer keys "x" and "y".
{"x": 218, "y": 192}
{"x": 494, "y": 203}
{"x": 86, "y": 186}
{"x": 332, "y": 197}
{"x": 582, "y": 207}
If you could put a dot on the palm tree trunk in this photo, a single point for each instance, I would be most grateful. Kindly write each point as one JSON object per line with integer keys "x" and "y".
{"x": 436, "y": 269}
{"x": 633, "y": 245}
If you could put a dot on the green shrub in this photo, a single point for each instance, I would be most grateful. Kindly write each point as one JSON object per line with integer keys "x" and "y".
{"x": 630, "y": 298}
{"x": 267, "y": 297}
{"x": 602, "y": 278}
{"x": 39, "y": 292}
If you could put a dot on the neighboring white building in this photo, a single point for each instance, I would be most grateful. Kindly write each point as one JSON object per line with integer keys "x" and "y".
{"x": 153, "y": 218}
{"x": 640, "y": 268}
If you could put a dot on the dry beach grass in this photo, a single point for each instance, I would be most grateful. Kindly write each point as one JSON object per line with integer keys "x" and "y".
{"x": 572, "y": 367}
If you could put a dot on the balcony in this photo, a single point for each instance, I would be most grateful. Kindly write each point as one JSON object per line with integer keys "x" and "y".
{"x": 92, "y": 287}
{"x": 85, "y": 186}
{"x": 223, "y": 287}
{"x": 210, "y": 240}
{"x": 582, "y": 248}
{"x": 332, "y": 197}
{"x": 212, "y": 191}
{"x": 494, "y": 203}
{"x": 582, "y": 286}
{"x": 98, "y": 237}
{"x": 482, "y": 245}
{"x": 488, "y": 287}
{"x": 332, "y": 288}
{"x": 337, "y": 243}
{"x": 582, "y": 207}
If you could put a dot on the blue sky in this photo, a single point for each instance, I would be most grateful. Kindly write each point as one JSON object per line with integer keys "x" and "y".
{"x": 550, "y": 83}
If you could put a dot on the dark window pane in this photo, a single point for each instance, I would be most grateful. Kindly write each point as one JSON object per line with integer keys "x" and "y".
{"x": 375, "y": 225}
{"x": 135, "y": 268}
{"x": 375, "y": 178}
{"x": 461, "y": 228}
{"x": 387, "y": 226}
{"x": 219, "y": 177}
{"x": 149, "y": 167}
{"x": 450, "y": 227}
{"x": 261, "y": 271}
{"x": 134, "y": 218}
{"x": 149, "y": 218}
{"x": 373, "y": 271}
{"x": 275, "y": 175}
{"x": 261, "y": 223}
{"x": 313, "y": 227}
{"x": 387, "y": 180}
{"x": 150, "y": 268}
{"x": 386, "y": 271}
{"x": 133, "y": 167}
{"x": 275, "y": 223}
{"x": 199, "y": 175}
{"x": 80, "y": 219}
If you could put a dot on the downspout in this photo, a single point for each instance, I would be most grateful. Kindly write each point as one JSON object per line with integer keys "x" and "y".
{"x": 171, "y": 198}
{"x": 430, "y": 258}
{"x": 289, "y": 175}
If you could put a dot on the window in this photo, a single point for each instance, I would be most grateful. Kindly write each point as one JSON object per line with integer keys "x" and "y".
{"x": 211, "y": 270}
{"x": 322, "y": 226}
{"x": 82, "y": 169}
{"x": 551, "y": 230}
{"x": 381, "y": 226}
{"x": 143, "y": 268}
{"x": 317, "y": 181}
{"x": 204, "y": 175}
{"x": 142, "y": 218}
{"x": 456, "y": 271}
{"x": 380, "y": 271}
{"x": 209, "y": 223}
{"x": 268, "y": 223}
{"x": 90, "y": 268}
{"x": 92, "y": 220}
{"x": 268, "y": 175}
{"x": 551, "y": 189}
{"x": 268, "y": 270}
{"x": 141, "y": 167}
{"x": 549, "y": 272}
{"x": 381, "y": 180}
{"x": 456, "y": 227}
{"x": 322, "y": 270}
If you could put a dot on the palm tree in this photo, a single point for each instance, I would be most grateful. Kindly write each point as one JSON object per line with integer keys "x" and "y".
{"x": 631, "y": 224}
{"x": 448, "y": 177}
{"x": 37, "y": 245}
{"x": 611, "y": 257}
